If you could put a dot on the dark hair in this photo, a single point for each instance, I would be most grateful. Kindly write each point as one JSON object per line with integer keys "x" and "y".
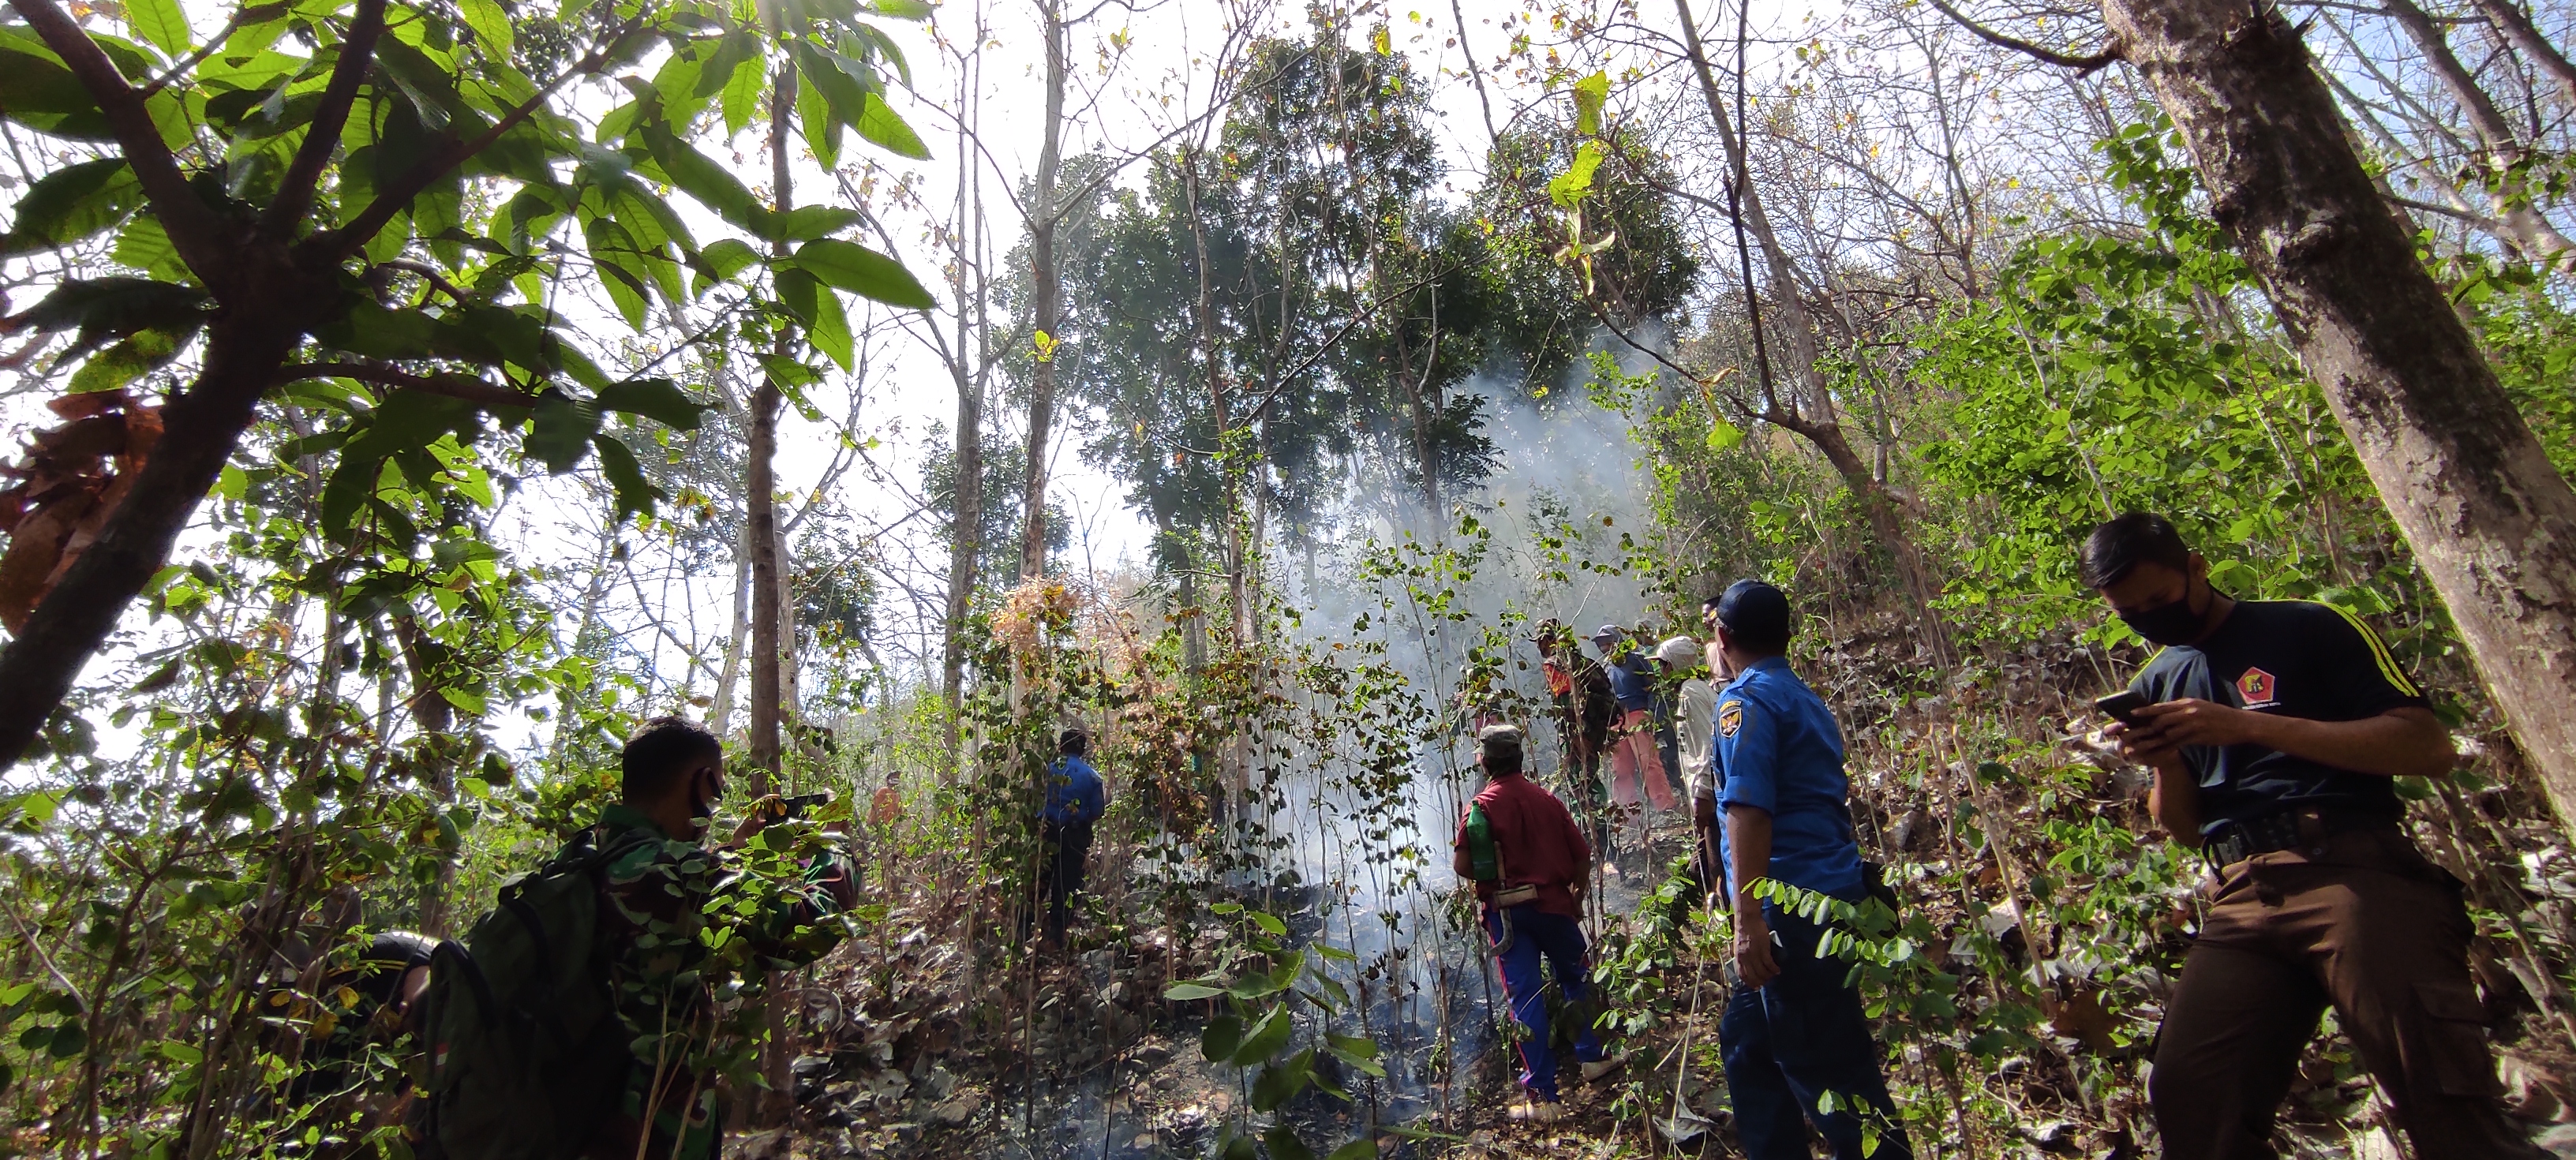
{"x": 1501, "y": 755}
{"x": 2121, "y": 543}
{"x": 1074, "y": 742}
{"x": 659, "y": 750}
{"x": 1756, "y": 616}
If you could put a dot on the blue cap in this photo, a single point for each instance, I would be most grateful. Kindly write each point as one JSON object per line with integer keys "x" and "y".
{"x": 1755, "y": 613}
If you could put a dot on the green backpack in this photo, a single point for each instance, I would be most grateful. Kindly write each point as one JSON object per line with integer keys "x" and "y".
{"x": 524, "y": 1057}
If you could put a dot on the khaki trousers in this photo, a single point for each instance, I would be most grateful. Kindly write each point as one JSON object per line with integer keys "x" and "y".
{"x": 2362, "y": 922}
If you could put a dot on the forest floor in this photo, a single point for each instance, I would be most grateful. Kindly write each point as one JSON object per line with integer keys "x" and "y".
{"x": 918, "y": 1046}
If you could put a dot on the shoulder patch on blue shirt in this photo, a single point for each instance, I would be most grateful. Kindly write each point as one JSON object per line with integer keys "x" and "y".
{"x": 1730, "y": 716}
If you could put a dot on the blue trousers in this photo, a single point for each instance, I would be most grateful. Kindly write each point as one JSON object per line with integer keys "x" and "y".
{"x": 1800, "y": 1036}
{"x": 1522, "y": 936}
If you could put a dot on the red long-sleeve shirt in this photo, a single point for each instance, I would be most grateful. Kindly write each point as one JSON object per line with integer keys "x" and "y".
{"x": 1538, "y": 840}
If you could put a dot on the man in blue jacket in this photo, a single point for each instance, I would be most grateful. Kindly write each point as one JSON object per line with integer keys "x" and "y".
{"x": 1074, "y": 800}
{"x": 1794, "y": 1029}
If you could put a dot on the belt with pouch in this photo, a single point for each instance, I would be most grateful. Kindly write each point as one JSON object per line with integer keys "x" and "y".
{"x": 2306, "y": 828}
{"x": 1505, "y": 899}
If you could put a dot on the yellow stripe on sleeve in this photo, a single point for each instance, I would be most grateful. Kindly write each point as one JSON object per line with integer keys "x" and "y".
{"x": 2378, "y": 651}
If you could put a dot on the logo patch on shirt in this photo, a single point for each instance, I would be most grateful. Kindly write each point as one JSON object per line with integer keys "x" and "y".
{"x": 2256, "y": 687}
{"x": 1730, "y": 717}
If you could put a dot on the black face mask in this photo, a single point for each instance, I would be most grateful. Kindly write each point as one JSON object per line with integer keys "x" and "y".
{"x": 702, "y": 805}
{"x": 2171, "y": 623}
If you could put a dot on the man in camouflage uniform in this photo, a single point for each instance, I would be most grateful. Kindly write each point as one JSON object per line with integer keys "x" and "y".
{"x": 661, "y": 892}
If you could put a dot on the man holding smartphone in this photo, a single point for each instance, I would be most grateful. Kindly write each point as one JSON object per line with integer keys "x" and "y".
{"x": 2275, "y": 729}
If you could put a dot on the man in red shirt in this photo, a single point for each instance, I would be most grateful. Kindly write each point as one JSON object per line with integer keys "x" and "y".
{"x": 1529, "y": 863}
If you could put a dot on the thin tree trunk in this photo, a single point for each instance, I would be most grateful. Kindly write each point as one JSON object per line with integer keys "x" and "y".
{"x": 2517, "y": 27}
{"x": 720, "y": 718}
{"x": 2489, "y": 518}
{"x": 1813, "y": 405}
{"x": 2511, "y": 196}
{"x": 760, "y": 485}
{"x": 1046, "y": 299}
{"x": 967, "y": 521}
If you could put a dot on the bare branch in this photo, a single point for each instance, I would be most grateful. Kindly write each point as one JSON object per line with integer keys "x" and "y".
{"x": 2083, "y": 65}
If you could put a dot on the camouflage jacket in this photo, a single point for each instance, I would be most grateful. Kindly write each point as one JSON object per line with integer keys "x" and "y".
{"x": 678, "y": 922}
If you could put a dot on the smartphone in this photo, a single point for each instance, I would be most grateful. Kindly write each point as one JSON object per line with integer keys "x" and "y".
{"x": 2121, "y": 706}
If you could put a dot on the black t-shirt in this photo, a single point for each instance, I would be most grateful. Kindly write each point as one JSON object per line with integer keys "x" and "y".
{"x": 2294, "y": 658}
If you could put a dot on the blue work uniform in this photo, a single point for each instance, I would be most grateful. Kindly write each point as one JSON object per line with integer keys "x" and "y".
{"x": 1075, "y": 798}
{"x": 1632, "y": 681}
{"x": 1805, "y": 1032}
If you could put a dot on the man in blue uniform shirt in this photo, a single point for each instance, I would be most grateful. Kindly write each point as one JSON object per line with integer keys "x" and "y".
{"x": 1794, "y": 1029}
{"x": 1074, "y": 800}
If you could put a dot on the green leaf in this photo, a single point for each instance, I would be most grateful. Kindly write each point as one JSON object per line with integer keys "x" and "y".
{"x": 1589, "y": 94}
{"x": 658, "y": 399}
{"x": 561, "y": 431}
{"x": 804, "y": 223}
{"x": 1283, "y": 1143}
{"x": 636, "y": 495}
{"x": 814, "y": 116}
{"x": 1269, "y": 922}
{"x": 1265, "y": 1038}
{"x": 742, "y": 93}
{"x": 1723, "y": 435}
{"x": 1280, "y": 1082}
{"x": 1569, "y": 188}
{"x": 862, "y": 271}
{"x": 491, "y": 25}
{"x": 901, "y": 9}
{"x": 700, "y": 177}
{"x": 1222, "y": 1035}
{"x": 879, "y": 124}
{"x": 72, "y": 203}
{"x": 127, "y": 361}
{"x": 160, "y": 22}
{"x": 726, "y": 257}
{"x": 831, "y": 331}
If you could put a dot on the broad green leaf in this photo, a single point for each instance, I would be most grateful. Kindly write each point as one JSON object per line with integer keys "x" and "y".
{"x": 465, "y": 699}
{"x": 160, "y": 22}
{"x": 862, "y": 271}
{"x": 1265, "y": 1038}
{"x": 1280, "y": 1082}
{"x": 660, "y": 400}
{"x": 805, "y": 223}
{"x": 635, "y": 494}
{"x": 879, "y": 124}
{"x": 490, "y": 24}
{"x": 727, "y": 257}
{"x": 1185, "y": 992}
{"x": 814, "y": 116}
{"x": 701, "y": 178}
{"x": 830, "y": 332}
{"x": 561, "y": 431}
{"x": 1269, "y": 922}
{"x": 72, "y": 203}
{"x": 790, "y": 373}
{"x": 901, "y": 9}
{"x": 1589, "y": 94}
{"x": 743, "y": 92}
{"x": 1222, "y": 1035}
{"x": 127, "y": 361}
{"x": 1283, "y": 1143}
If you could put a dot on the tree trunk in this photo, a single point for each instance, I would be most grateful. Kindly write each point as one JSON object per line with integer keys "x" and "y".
{"x": 966, "y": 522}
{"x": 1046, "y": 299}
{"x": 2489, "y": 518}
{"x": 760, "y": 485}
{"x": 200, "y": 428}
